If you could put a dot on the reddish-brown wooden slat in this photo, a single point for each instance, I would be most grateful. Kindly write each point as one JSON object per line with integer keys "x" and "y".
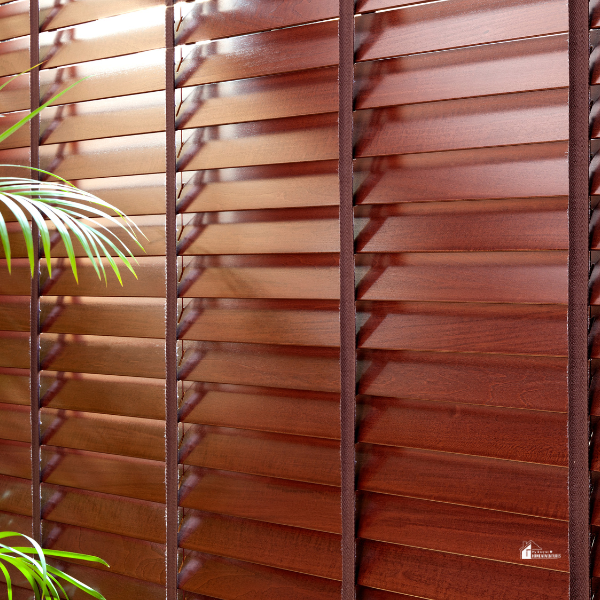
{"x": 523, "y": 435}
{"x": 20, "y": 593}
{"x": 510, "y": 381}
{"x": 110, "y": 474}
{"x": 103, "y": 355}
{"x": 265, "y": 499}
{"x": 421, "y": 573}
{"x": 437, "y": 26}
{"x": 15, "y": 56}
{"x": 14, "y": 312}
{"x": 526, "y": 224}
{"x": 14, "y": 349}
{"x": 309, "y": 552}
{"x": 125, "y": 555}
{"x": 15, "y": 19}
{"x": 110, "y": 434}
{"x": 458, "y": 529}
{"x": 506, "y": 329}
{"x": 279, "y": 411}
{"x": 14, "y": 386}
{"x": 364, "y": 593}
{"x": 16, "y": 497}
{"x": 129, "y": 517}
{"x": 212, "y": 21}
{"x": 372, "y": 5}
{"x": 14, "y": 522}
{"x": 467, "y": 123}
{"x": 299, "y": 368}
{"x": 272, "y": 455}
{"x": 15, "y": 459}
{"x": 266, "y": 53}
{"x": 536, "y": 170}
{"x": 15, "y": 423}
{"x": 523, "y": 277}
{"x": 227, "y": 579}
{"x": 524, "y": 488}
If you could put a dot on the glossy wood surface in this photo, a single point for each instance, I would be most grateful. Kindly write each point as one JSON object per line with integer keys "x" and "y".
{"x": 14, "y": 386}
{"x": 15, "y": 459}
{"x": 16, "y": 498}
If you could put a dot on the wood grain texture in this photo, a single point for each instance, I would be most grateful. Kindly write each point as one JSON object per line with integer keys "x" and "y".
{"x": 110, "y": 474}
{"x": 15, "y": 423}
{"x": 119, "y": 515}
{"x": 16, "y": 497}
{"x": 126, "y": 556}
{"x": 420, "y": 572}
{"x": 266, "y": 53}
{"x": 14, "y": 386}
{"x": 112, "y": 434}
{"x": 525, "y": 224}
{"x": 524, "y": 277}
{"x": 535, "y": 170}
{"x": 508, "y": 119}
{"x": 14, "y": 349}
{"x": 296, "y": 458}
{"x": 298, "y": 550}
{"x": 514, "y": 434}
{"x": 524, "y": 488}
{"x": 432, "y": 26}
{"x": 315, "y": 369}
{"x": 14, "y": 313}
{"x": 15, "y": 459}
{"x": 458, "y": 529}
{"x": 227, "y": 579}
{"x": 15, "y": 522}
{"x": 372, "y": 5}
{"x": 506, "y": 329}
{"x": 265, "y": 499}
{"x": 510, "y": 381}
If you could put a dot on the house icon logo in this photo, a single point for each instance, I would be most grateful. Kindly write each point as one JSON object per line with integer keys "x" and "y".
{"x": 528, "y": 548}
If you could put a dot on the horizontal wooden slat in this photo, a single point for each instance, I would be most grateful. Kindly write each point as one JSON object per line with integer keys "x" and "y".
{"x": 310, "y": 552}
{"x": 515, "y": 434}
{"x": 14, "y": 55}
{"x": 15, "y": 19}
{"x": 16, "y": 497}
{"x": 506, "y": 329}
{"x": 14, "y": 312}
{"x": 298, "y": 458}
{"x": 524, "y": 488}
{"x": 459, "y": 529}
{"x": 14, "y": 386}
{"x": 536, "y": 170}
{"x": 510, "y": 381}
{"x": 14, "y": 522}
{"x": 129, "y": 517}
{"x": 508, "y": 119}
{"x": 423, "y": 572}
{"x": 299, "y": 368}
{"x": 227, "y": 579}
{"x": 14, "y": 349}
{"x": 15, "y": 459}
{"x": 372, "y": 5}
{"x": 298, "y": 413}
{"x": 123, "y": 476}
{"x": 15, "y": 423}
{"x": 126, "y": 556}
{"x": 523, "y": 277}
{"x": 127, "y": 436}
{"x": 103, "y": 355}
{"x": 527, "y": 224}
{"x": 437, "y": 26}
{"x": 285, "y": 502}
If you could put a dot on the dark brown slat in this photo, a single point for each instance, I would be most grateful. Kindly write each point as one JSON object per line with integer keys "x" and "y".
{"x": 14, "y": 386}
{"x": 594, "y": 345}
{"x": 124, "y": 476}
{"x": 423, "y": 572}
{"x": 523, "y": 488}
{"x": 507, "y": 329}
{"x": 309, "y": 552}
{"x": 263, "y": 499}
{"x": 458, "y": 529}
{"x": 15, "y": 459}
{"x": 594, "y": 286}
{"x": 437, "y": 26}
{"x": 528, "y": 224}
{"x": 20, "y": 593}
{"x": 536, "y": 170}
{"x": 270, "y": 186}
{"x": 126, "y": 556}
{"x": 126, "y": 436}
{"x": 103, "y": 355}
{"x": 514, "y": 434}
{"x": 262, "y": 54}
{"x": 298, "y": 458}
{"x": 524, "y": 277}
{"x": 270, "y": 97}
{"x": 276, "y": 141}
{"x": 510, "y": 381}
{"x": 125, "y": 317}
{"x": 129, "y": 517}
{"x": 371, "y": 594}
{"x": 15, "y": 423}
{"x": 14, "y": 312}
{"x": 14, "y": 349}
{"x": 595, "y": 447}
{"x": 508, "y": 119}
{"x": 18, "y": 499}
{"x": 296, "y": 413}
{"x": 212, "y": 22}
{"x": 248, "y": 364}
{"x": 227, "y": 579}
{"x": 13, "y": 522}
